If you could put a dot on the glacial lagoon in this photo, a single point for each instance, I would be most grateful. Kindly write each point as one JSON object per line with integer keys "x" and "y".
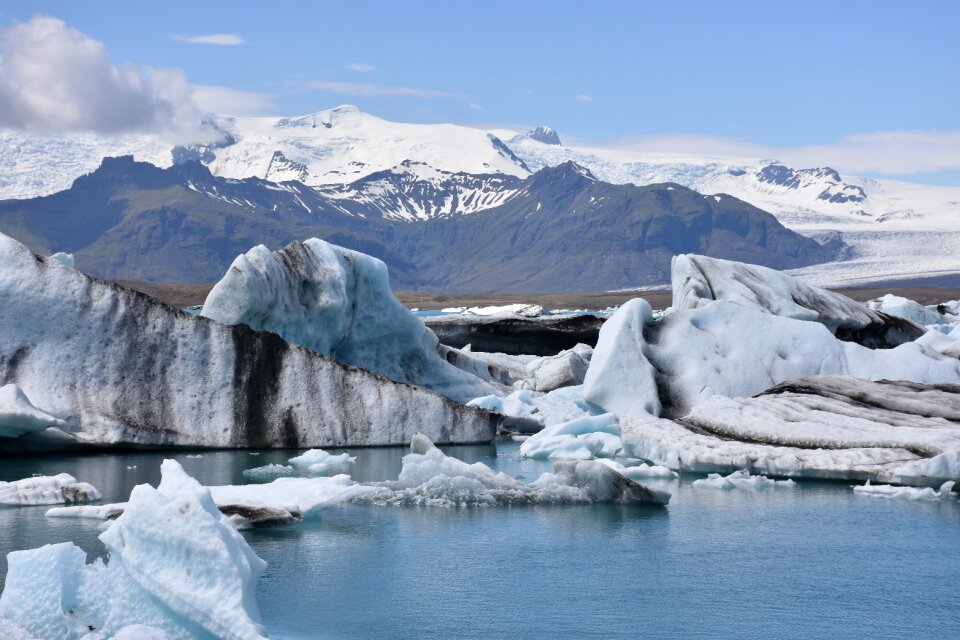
{"x": 814, "y": 560}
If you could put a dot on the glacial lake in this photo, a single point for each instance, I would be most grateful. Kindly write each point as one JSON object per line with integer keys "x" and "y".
{"x": 813, "y": 561}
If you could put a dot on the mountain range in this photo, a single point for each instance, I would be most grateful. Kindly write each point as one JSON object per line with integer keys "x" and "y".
{"x": 344, "y": 162}
{"x": 560, "y": 229}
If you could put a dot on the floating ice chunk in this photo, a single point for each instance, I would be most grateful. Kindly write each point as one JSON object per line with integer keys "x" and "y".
{"x": 740, "y": 479}
{"x": 337, "y": 302}
{"x": 175, "y": 565}
{"x": 59, "y": 489}
{"x": 906, "y": 493}
{"x": 428, "y": 477}
{"x": 298, "y": 496}
{"x": 529, "y": 411}
{"x": 18, "y": 415}
{"x": 601, "y": 483}
{"x": 566, "y": 369}
{"x": 620, "y": 378}
{"x": 96, "y": 512}
{"x": 583, "y": 438}
{"x": 64, "y": 259}
{"x": 640, "y": 471}
{"x": 270, "y": 472}
{"x": 317, "y": 462}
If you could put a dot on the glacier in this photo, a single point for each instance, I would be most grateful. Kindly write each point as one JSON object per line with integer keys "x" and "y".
{"x": 175, "y": 564}
{"x": 119, "y": 367}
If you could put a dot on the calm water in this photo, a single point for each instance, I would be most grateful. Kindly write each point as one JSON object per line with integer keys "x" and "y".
{"x": 816, "y": 561}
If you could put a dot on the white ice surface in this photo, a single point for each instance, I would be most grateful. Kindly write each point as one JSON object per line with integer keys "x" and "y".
{"x": 270, "y": 472}
{"x": 59, "y": 489}
{"x": 740, "y": 479}
{"x": 906, "y": 493}
{"x": 912, "y": 311}
{"x": 18, "y": 415}
{"x": 428, "y": 477}
{"x": 620, "y": 379}
{"x": 582, "y": 438}
{"x": 317, "y": 462}
{"x": 176, "y": 564}
{"x": 337, "y": 302}
{"x": 559, "y": 405}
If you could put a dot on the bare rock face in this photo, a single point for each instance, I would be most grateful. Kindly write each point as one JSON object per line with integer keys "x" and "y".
{"x": 516, "y": 335}
{"x": 120, "y": 368}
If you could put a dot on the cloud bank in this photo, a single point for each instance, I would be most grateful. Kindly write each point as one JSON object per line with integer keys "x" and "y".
{"x": 55, "y": 79}
{"x": 881, "y": 153}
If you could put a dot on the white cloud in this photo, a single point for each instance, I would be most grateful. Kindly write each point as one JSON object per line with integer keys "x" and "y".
{"x": 227, "y": 101}
{"x": 367, "y": 89}
{"x": 360, "y": 67}
{"x": 582, "y": 97}
{"x": 475, "y": 106}
{"x": 219, "y": 39}
{"x": 55, "y": 79}
{"x": 883, "y": 153}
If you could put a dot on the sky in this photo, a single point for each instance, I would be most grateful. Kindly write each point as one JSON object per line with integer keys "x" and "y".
{"x": 870, "y": 87}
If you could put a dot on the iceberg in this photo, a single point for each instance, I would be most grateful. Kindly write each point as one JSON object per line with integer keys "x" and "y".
{"x": 317, "y": 462}
{"x": 429, "y": 477}
{"x": 727, "y": 349}
{"x": 906, "y": 493}
{"x": 283, "y": 501}
{"x": 914, "y": 311}
{"x": 699, "y": 280}
{"x": 582, "y": 438}
{"x": 65, "y": 259}
{"x": 121, "y": 368}
{"x": 740, "y": 479}
{"x": 175, "y": 565}
{"x": 336, "y": 302}
{"x": 270, "y": 472}
{"x": 62, "y": 488}
{"x": 18, "y": 415}
{"x": 527, "y": 411}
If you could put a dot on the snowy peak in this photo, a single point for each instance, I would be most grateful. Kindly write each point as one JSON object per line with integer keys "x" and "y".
{"x": 831, "y": 187}
{"x": 545, "y": 135}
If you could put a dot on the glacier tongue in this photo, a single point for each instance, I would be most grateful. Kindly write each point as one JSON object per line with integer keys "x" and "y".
{"x": 121, "y": 368}
{"x": 337, "y": 302}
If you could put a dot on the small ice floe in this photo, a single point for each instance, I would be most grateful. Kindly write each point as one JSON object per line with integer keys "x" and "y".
{"x": 906, "y": 493}
{"x": 430, "y": 478}
{"x": 195, "y": 455}
{"x": 281, "y": 502}
{"x": 641, "y": 470}
{"x": 740, "y": 479}
{"x": 174, "y": 563}
{"x": 314, "y": 463}
{"x": 131, "y": 466}
{"x": 59, "y": 489}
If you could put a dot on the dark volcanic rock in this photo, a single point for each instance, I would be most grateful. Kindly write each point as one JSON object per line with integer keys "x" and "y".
{"x": 516, "y": 335}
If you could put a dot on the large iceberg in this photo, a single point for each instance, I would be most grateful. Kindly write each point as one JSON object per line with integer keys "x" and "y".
{"x": 699, "y": 280}
{"x": 724, "y": 348}
{"x": 825, "y": 427}
{"x": 119, "y": 367}
{"x": 337, "y": 302}
{"x": 175, "y": 564}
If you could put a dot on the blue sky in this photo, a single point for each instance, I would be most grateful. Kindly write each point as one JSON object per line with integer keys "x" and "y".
{"x": 768, "y": 74}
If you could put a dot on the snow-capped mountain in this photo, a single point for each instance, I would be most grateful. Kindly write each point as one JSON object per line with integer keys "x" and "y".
{"x": 411, "y": 172}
